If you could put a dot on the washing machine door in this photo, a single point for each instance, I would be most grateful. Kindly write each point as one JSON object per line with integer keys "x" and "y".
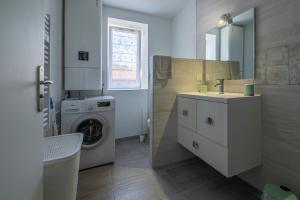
{"x": 94, "y": 129}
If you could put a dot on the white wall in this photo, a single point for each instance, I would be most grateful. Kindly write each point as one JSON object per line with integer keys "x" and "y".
{"x": 184, "y": 32}
{"x": 55, "y": 9}
{"x": 132, "y": 106}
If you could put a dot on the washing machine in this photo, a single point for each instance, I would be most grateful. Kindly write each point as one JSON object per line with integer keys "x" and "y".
{"x": 95, "y": 118}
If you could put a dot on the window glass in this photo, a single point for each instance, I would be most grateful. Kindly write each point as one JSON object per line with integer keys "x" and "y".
{"x": 125, "y": 58}
{"x": 211, "y": 47}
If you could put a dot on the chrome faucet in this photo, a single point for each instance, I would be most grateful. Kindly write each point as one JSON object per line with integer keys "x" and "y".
{"x": 221, "y": 85}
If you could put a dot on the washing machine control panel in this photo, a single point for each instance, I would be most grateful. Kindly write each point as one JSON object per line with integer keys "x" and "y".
{"x": 100, "y": 105}
{"x": 103, "y": 104}
{"x": 88, "y": 105}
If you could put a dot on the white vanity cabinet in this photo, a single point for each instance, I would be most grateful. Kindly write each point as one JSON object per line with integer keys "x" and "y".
{"x": 223, "y": 130}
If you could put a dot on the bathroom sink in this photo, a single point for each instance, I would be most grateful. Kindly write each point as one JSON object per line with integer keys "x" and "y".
{"x": 216, "y": 97}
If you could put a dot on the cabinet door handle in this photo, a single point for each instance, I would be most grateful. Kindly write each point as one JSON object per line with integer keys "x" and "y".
{"x": 195, "y": 145}
{"x": 185, "y": 113}
{"x": 210, "y": 121}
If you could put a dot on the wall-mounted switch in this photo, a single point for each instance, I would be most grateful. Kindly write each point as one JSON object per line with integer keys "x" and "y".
{"x": 83, "y": 55}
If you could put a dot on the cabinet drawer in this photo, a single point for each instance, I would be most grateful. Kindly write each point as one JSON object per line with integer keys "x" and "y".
{"x": 188, "y": 139}
{"x": 186, "y": 111}
{"x": 212, "y": 153}
{"x": 212, "y": 121}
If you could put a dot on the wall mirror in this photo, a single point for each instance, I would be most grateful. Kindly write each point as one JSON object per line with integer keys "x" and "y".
{"x": 234, "y": 40}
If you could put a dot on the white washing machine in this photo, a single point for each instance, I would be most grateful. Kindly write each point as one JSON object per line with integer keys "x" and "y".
{"x": 95, "y": 118}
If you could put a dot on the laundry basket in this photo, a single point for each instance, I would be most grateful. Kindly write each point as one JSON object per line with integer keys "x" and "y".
{"x": 61, "y": 166}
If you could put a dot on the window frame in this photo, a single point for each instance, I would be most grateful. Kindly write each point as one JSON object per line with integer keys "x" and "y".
{"x": 111, "y": 27}
{"x": 144, "y": 51}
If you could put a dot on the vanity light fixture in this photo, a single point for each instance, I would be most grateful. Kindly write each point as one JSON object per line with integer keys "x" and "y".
{"x": 225, "y": 19}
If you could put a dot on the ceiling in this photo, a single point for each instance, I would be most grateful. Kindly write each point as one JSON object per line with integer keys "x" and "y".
{"x": 162, "y": 8}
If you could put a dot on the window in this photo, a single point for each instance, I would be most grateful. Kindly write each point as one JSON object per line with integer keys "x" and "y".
{"x": 127, "y": 51}
{"x": 125, "y": 58}
{"x": 211, "y": 47}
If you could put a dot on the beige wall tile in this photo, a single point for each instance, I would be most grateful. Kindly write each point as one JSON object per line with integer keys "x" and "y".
{"x": 186, "y": 77}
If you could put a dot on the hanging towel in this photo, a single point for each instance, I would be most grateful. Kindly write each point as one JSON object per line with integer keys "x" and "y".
{"x": 163, "y": 67}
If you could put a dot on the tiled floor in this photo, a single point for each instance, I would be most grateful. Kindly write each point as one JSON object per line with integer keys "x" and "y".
{"x": 131, "y": 178}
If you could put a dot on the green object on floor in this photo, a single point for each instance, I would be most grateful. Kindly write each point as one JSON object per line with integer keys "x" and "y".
{"x": 277, "y": 192}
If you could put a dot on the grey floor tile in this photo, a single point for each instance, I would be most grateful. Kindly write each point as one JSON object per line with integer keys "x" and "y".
{"x": 132, "y": 178}
{"x": 163, "y": 181}
{"x": 224, "y": 189}
{"x": 101, "y": 194}
{"x": 124, "y": 173}
{"x": 132, "y": 153}
{"x": 192, "y": 174}
{"x": 95, "y": 182}
{"x": 175, "y": 197}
